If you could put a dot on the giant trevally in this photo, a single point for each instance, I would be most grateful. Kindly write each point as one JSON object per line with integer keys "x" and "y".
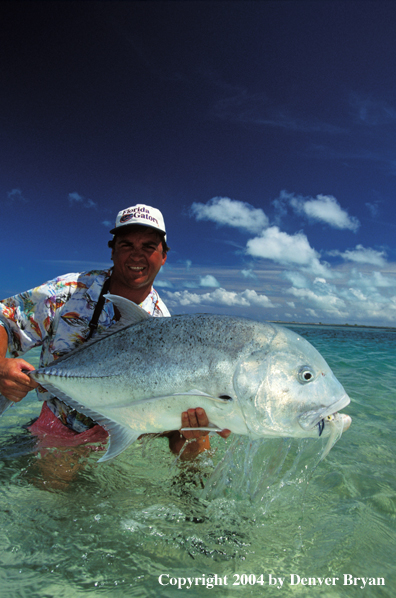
{"x": 256, "y": 379}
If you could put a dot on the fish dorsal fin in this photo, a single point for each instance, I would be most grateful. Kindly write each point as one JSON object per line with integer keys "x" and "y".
{"x": 131, "y": 313}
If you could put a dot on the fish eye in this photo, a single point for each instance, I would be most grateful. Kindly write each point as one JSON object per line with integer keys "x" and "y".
{"x": 305, "y": 374}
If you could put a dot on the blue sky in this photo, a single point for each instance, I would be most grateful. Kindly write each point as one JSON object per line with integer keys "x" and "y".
{"x": 264, "y": 131}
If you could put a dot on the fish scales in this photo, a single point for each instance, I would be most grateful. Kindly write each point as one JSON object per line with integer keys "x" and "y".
{"x": 176, "y": 354}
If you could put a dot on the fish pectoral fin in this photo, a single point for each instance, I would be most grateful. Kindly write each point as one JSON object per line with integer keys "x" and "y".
{"x": 119, "y": 439}
{"x": 131, "y": 313}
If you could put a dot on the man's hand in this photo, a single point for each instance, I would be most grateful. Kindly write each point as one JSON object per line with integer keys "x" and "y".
{"x": 197, "y": 418}
{"x": 193, "y": 418}
{"x": 14, "y": 384}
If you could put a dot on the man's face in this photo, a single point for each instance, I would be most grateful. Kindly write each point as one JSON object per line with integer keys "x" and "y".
{"x": 138, "y": 256}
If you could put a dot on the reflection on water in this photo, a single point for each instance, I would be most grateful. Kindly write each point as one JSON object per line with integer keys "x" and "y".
{"x": 72, "y": 527}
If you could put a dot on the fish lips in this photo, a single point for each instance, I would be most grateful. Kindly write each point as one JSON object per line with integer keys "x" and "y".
{"x": 310, "y": 419}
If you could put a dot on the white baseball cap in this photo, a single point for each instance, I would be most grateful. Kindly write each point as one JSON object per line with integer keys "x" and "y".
{"x": 140, "y": 214}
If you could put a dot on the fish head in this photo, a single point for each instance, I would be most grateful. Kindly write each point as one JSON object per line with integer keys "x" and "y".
{"x": 288, "y": 389}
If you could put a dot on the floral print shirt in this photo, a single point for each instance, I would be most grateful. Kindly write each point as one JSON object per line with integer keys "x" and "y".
{"x": 56, "y": 316}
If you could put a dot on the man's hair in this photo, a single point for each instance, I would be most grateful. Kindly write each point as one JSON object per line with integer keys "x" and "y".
{"x": 139, "y": 227}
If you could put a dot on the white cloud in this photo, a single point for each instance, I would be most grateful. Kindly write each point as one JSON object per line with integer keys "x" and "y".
{"x": 370, "y": 283}
{"x": 248, "y": 274}
{"x": 298, "y": 280}
{"x": 108, "y": 224}
{"x": 286, "y": 249}
{"x": 220, "y": 297}
{"x": 190, "y": 285}
{"x": 325, "y": 208}
{"x": 383, "y": 281}
{"x": 363, "y": 255}
{"x": 208, "y": 281}
{"x": 230, "y": 212}
{"x": 163, "y": 284}
{"x": 324, "y": 299}
{"x": 76, "y": 198}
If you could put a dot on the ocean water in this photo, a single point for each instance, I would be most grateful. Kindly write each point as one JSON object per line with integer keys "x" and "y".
{"x": 246, "y": 519}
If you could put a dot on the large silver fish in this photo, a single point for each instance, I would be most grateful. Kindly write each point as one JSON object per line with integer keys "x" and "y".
{"x": 253, "y": 378}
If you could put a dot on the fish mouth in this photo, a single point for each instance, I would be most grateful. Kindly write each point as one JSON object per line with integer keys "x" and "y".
{"x": 310, "y": 419}
{"x": 345, "y": 420}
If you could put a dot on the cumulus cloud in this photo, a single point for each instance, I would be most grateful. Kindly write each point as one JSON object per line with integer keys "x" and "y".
{"x": 208, "y": 281}
{"x": 326, "y": 300}
{"x": 363, "y": 298}
{"x": 370, "y": 283}
{"x": 278, "y": 246}
{"x": 220, "y": 297}
{"x": 325, "y": 208}
{"x": 296, "y": 278}
{"x": 383, "y": 281}
{"x": 76, "y": 198}
{"x": 230, "y": 212}
{"x": 363, "y": 255}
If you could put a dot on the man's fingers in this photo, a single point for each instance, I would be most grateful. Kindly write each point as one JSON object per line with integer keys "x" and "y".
{"x": 14, "y": 382}
{"x": 25, "y": 368}
{"x": 202, "y": 418}
{"x": 197, "y": 418}
{"x": 194, "y": 418}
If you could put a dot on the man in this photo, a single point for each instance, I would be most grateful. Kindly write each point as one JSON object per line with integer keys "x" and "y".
{"x": 69, "y": 310}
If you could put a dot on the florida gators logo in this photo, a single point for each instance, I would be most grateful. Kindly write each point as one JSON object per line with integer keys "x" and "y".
{"x": 125, "y": 218}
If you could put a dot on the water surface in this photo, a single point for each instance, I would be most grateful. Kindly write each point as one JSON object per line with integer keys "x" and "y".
{"x": 70, "y": 527}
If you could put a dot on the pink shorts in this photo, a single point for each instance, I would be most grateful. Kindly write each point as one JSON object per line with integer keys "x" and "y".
{"x": 51, "y": 432}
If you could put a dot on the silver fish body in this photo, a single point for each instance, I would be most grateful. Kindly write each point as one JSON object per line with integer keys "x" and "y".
{"x": 253, "y": 378}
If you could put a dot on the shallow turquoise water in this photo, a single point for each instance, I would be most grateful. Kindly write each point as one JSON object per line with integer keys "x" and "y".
{"x": 70, "y": 527}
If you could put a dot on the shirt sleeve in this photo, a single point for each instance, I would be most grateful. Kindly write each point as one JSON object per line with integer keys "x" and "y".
{"x": 28, "y": 317}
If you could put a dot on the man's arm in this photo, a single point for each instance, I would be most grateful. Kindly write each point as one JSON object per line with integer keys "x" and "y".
{"x": 14, "y": 384}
